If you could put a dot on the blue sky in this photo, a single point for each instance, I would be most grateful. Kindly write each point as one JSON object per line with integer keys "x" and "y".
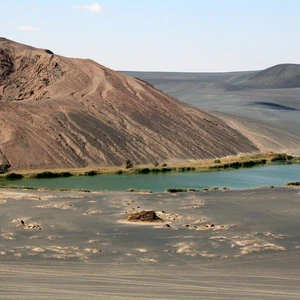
{"x": 160, "y": 35}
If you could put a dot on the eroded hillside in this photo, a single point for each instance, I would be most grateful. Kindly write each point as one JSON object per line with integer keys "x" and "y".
{"x": 64, "y": 112}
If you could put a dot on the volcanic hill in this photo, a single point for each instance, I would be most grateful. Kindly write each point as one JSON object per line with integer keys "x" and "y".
{"x": 279, "y": 76}
{"x": 61, "y": 112}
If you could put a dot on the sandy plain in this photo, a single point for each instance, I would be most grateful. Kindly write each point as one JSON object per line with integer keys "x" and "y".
{"x": 211, "y": 245}
{"x": 267, "y": 114}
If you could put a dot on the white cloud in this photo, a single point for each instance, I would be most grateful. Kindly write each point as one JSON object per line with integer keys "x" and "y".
{"x": 94, "y": 7}
{"x": 27, "y": 28}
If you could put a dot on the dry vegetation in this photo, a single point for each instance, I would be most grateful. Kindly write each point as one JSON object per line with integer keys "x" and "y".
{"x": 232, "y": 162}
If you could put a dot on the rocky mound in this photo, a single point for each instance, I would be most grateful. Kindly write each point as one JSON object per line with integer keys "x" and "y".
{"x": 144, "y": 216}
{"x": 61, "y": 112}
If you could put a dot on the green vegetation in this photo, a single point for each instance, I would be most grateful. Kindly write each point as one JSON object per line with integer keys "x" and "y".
{"x": 176, "y": 190}
{"x": 142, "y": 170}
{"x": 128, "y": 164}
{"x": 4, "y": 168}
{"x": 49, "y": 174}
{"x": 296, "y": 183}
{"x": 239, "y": 164}
{"x": 215, "y": 188}
{"x": 91, "y": 173}
{"x": 13, "y": 175}
{"x": 281, "y": 157}
{"x": 131, "y": 190}
{"x": 226, "y": 163}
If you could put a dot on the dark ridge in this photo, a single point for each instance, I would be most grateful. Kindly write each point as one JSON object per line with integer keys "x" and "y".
{"x": 144, "y": 81}
{"x": 48, "y": 51}
{"x": 271, "y": 105}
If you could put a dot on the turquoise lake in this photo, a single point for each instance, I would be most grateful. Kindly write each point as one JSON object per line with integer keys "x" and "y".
{"x": 277, "y": 175}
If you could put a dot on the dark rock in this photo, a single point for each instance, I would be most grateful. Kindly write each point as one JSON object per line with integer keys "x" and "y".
{"x": 144, "y": 216}
{"x": 48, "y": 51}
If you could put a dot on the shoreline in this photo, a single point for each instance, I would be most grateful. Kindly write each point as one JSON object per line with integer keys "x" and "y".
{"x": 172, "y": 190}
{"x": 227, "y": 163}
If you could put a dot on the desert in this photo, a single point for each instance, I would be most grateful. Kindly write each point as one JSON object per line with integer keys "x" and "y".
{"x": 188, "y": 243}
{"x": 149, "y": 150}
{"x": 215, "y": 245}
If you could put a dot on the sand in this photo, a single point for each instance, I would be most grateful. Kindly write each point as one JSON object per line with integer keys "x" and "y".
{"x": 264, "y": 109}
{"x": 210, "y": 245}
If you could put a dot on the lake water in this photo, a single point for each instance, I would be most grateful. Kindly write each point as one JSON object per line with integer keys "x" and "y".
{"x": 277, "y": 175}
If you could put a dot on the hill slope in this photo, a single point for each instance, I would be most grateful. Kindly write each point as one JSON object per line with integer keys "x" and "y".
{"x": 279, "y": 76}
{"x": 65, "y": 112}
{"x": 268, "y": 116}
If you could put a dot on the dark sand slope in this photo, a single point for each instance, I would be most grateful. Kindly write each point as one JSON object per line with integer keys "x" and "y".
{"x": 217, "y": 245}
{"x": 65, "y": 112}
{"x": 279, "y": 76}
{"x": 266, "y": 136}
{"x": 269, "y": 98}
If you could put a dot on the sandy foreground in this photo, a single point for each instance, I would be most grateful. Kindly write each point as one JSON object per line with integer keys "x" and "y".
{"x": 211, "y": 245}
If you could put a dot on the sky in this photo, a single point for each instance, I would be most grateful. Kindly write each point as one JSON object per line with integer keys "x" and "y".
{"x": 160, "y": 35}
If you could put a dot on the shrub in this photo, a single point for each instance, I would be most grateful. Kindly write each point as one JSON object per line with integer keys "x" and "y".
{"x": 49, "y": 174}
{"x": 164, "y": 165}
{"x": 235, "y": 165}
{"x": 217, "y": 161}
{"x": 215, "y": 188}
{"x": 4, "y": 168}
{"x": 90, "y": 173}
{"x": 156, "y": 164}
{"x": 13, "y": 176}
{"x": 281, "y": 157}
{"x": 296, "y": 183}
{"x": 142, "y": 171}
{"x": 128, "y": 164}
{"x": 176, "y": 190}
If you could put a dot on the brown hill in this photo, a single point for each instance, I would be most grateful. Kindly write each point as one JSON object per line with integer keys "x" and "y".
{"x": 64, "y": 112}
